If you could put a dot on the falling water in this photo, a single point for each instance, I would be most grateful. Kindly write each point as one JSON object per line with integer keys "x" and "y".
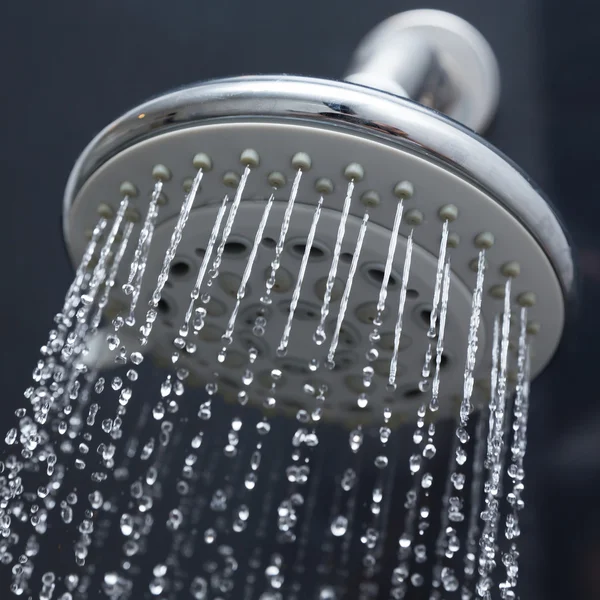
{"x": 350, "y": 482}
{"x": 266, "y": 298}
{"x": 439, "y": 348}
{"x": 212, "y": 386}
{"x": 374, "y": 534}
{"x": 110, "y": 280}
{"x": 320, "y": 335}
{"x": 455, "y": 501}
{"x": 140, "y": 258}
{"x": 73, "y": 295}
{"x": 228, "y": 335}
{"x": 146, "y": 329}
{"x": 381, "y": 461}
{"x": 285, "y": 338}
{"x": 261, "y": 323}
{"x": 473, "y": 529}
{"x": 401, "y": 305}
{"x": 465, "y": 407}
{"x": 297, "y": 473}
{"x": 515, "y": 470}
{"x": 438, "y": 281}
{"x": 447, "y": 539}
{"x": 99, "y": 272}
{"x": 494, "y": 457}
{"x": 312, "y": 499}
{"x": 193, "y": 507}
{"x": 347, "y": 291}
{"x": 433, "y": 316}
{"x": 200, "y": 314}
{"x": 176, "y": 238}
{"x": 430, "y": 449}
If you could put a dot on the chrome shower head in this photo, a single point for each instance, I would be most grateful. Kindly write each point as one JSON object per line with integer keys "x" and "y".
{"x": 392, "y": 149}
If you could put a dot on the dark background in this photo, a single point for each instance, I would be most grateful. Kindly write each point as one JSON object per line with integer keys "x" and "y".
{"x": 71, "y": 66}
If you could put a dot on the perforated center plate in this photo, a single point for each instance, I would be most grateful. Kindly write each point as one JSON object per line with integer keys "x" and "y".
{"x": 330, "y": 151}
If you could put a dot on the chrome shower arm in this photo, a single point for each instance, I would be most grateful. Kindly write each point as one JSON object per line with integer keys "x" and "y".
{"x": 407, "y": 66}
{"x": 435, "y": 59}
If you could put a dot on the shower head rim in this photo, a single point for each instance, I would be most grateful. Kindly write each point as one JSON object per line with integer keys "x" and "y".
{"x": 329, "y": 103}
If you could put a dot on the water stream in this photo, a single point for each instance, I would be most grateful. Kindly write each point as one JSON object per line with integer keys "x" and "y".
{"x": 197, "y": 498}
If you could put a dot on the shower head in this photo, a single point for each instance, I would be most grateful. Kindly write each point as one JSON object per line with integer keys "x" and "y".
{"x": 391, "y": 149}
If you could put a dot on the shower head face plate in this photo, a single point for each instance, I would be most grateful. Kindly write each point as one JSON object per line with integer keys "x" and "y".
{"x": 331, "y": 149}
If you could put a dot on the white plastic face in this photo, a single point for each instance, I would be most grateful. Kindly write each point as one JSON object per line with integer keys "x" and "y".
{"x": 330, "y": 153}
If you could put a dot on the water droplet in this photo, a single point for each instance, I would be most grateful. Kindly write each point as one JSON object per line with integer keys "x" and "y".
{"x": 427, "y": 481}
{"x": 458, "y": 480}
{"x": 356, "y": 439}
{"x": 255, "y": 460}
{"x": 126, "y": 524}
{"x": 362, "y": 400}
{"x": 415, "y": 463}
{"x": 424, "y": 385}
{"x": 210, "y": 536}
{"x": 370, "y": 538}
{"x": 449, "y": 580}
{"x": 348, "y": 480}
{"x": 381, "y": 461}
{"x": 113, "y": 342}
{"x": 199, "y": 588}
{"x": 263, "y": 427}
{"x": 384, "y": 434}
{"x": 462, "y": 435}
{"x": 339, "y": 526}
{"x": 418, "y": 436}
{"x": 11, "y": 436}
{"x": 319, "y": 336}
{"x": 429, "y": 450}
{"x": 372, "y": 354}
{"x": 137, "y": 358}
{"x": 327, "y": 593}
{"x": 250, "y": 481}
{"x": 199, "y": 318}
{"x": 302, "y": 416}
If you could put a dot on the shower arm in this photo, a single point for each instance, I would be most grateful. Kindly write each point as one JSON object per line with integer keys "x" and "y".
{"x": 407, "y": 66}
{"x": 433, "y": 58}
